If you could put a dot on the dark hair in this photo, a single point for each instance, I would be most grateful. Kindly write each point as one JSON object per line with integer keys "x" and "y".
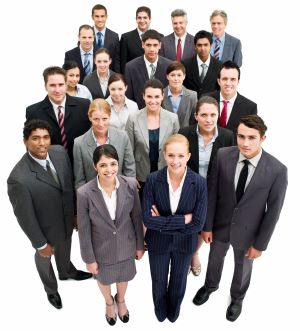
{"x": 68, "y": 65}
{"x": 115, "y": 78}
{"x": 102, "y": 50}
{"x": 175, "y": 65}
{"x": 151, "y": 34}
{"x": 34, "y": 124}
{"x": 53, "y": 71}
{"x": 98, "y": 7}
{"x": 85, "y": 27}
{"x": 209, "y": 100}
{"x": 254, "y": 122}
{"x": 154, "y": 83}
{"x": 203, "y": 34}
{"x": 145, "y": 9}
{"x": 106, "y": 150}
{"x": 229, "y": 65}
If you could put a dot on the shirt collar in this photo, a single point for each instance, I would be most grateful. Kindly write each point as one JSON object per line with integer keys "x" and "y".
{"x": 207, "y": 62}
{"x": 254, "y": 160}
{"x": 82, "y": 52}
{"x": 55, "y": 105}
{"x": 101, "y": 188}
{"x": 222, "y": 38}
{"x": 41, "y": 162}
{"x": 170, "y": 93}
{"x": 232, "y": 100}
{"x": 96, "y": 139}
{"x": 148, "y": 63}
{"x": 215, "y": 136}
{"x": 181, "y": 38}
{"x": 181, "y": 182}
{"x": 102, "y": 31}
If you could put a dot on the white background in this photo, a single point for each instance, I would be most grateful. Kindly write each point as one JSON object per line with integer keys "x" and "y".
{"x": 36, "y": 34}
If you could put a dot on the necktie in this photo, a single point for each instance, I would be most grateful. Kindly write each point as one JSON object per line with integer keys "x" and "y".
{"x": 152, "y": 73}
{"x": 86, "y": 64}
{"x": 179, "y": 51}
{"x": 99, "y": 39}
{"x": 61, "y": 124}
{"x": 203, "y": 72}
{"x": 240, "y": 188}
{"x": 223, "y": 117}
{"x": 52, "y": 172}
{"x": 217, "y": 49}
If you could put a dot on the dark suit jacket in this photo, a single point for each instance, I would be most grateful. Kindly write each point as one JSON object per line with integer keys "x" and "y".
{"x": 252, "y": 220}
{"x": 232, "y": 50}
{"x": 44, "y": 209}
{"x": 136, "y": 75}
{"x": 76, "y": 119}
{"x": 192, "y": 78}
{"x": 242, "y": 107}
{"x": 225, "y": 138}
{"x": 168, "y": 229}
{"x": 74, "y": 55}
{"x": 168, "y": 48}
{"x": 92, "y": 83}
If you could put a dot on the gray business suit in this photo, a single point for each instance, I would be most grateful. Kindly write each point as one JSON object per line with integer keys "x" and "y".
{"x": 250, "y": 222}
{"x": 109, "y": 242}
{"x": 45, "y": 211}
{"x": 187, "y": 106}
{"x": 137, "y": 129}
{"x": 168, "y": 48}
{"x": 84, "y": 147}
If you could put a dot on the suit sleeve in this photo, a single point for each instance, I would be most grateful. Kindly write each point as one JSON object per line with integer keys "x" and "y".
{"x": 129, "y": 91}
{"x": 237, "y": 56}
{"x": 176, "y": 125}
{"x": 117, "y": 55}
{"x": 79, "y": 174}
{"x": 123, "y": 54}
{"x": 129, "y": 128}
{"x": 128, "y": 167}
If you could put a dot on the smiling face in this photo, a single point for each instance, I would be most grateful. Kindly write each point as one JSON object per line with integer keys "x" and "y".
{"x": 99, "y": 17}
{"x": 249, "y": 141}
{"x": 56, "y": 88}
{"x": 107, "y": 169}
{"x": 102, "y": 62}
{"x": 100, "y": 122}
{"x": 176, "y": 156}
{"x": 153, "y": 98}
{"x": 228, "y": 81}
{"x": 179, "y": 24}
{"x": 207, "y": 118}
{"x": 143, "y": 21}
{"x": 38, "y": 143}
{"x": 73, "y": 76}
{"x": 117, "y": 91}
{"x": 218, "y": 25}
{"x": 86, "y": 39}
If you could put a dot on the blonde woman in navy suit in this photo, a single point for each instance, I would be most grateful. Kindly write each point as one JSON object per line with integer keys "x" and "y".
{"x": 174, "y": 211}
{"x": 110, "y": 229}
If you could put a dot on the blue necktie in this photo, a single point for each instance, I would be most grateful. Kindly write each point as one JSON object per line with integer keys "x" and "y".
{"x": 86, "y": 64}
{"x": 99, "y": 39}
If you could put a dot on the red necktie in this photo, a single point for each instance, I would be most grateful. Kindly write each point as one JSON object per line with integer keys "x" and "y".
{"x": 61, "y": 124}
{"x": 179, "y": 51}
{"x": 223, "y": 117}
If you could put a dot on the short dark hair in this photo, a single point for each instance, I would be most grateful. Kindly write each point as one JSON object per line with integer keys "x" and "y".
{"x": 53, "y": 71}
{"x": 175, "y": 65}
{"x": 254, "y": 122}
{"x": 34, "y": 124}
{"x": 151, "y": 34}
{"x": 145, "y": 9}
{"x": 99, "y": 7}
{"x": 203, "y": 34}
{"x": 68, "y": 65}
{"x": 229, "y": 65}
{"x": 106, "y": 150}
{"x": 154, "y": 83}
{"x": 102, "y": 50}
{"x": 115, "y": 78}
{"x": 209, "y": 100}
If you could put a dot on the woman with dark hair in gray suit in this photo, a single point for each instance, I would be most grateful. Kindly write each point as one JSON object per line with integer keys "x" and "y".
{"x": 110, "y": 229}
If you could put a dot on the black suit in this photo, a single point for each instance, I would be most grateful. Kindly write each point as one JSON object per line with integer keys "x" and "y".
{"x": 76, "y": 120}
{"x": 192, "y": 78}
{"x": 225, "y": 138}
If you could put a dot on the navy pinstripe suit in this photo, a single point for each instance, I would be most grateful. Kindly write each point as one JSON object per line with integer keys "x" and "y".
{"x": 169, "y": 239}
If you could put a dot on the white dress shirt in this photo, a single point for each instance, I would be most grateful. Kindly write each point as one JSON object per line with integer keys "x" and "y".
{"x": 229, "y": 105}
{"x": 149, "y": 69}
{"x": 175, "y": 195}
{"x": 55, "y": 107}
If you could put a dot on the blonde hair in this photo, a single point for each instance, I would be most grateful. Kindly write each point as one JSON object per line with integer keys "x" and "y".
{"x": 99, "y": 104}
{"x": 177, "y": 138}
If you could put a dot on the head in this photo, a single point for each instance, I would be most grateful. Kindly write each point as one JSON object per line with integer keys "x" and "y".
{"x": 228, "y": 79}
{"x": 179, "y": 22}
{"x": 36, "y": 137}
{"x": 117, "y": 87}
{"x": 102, "y": 61}
{"x": 218, "y": 22}
{"x": 153, "y": 94}
{"x": 143, "y": 18}
{"x": 99, "y": 16}
{"x": 203, "y": 42}
{"x": 86, "y": 37}
{"x": 250, "y": 135}
{"x": 55, "y": 84}
{"x": 72, "y": 73}
{"x": 106, "y": 162}
{"x": 206, "y": 114}
{"x": 151, "y": 43}
{"x": 176, "y": 154}
{"x": 99, "y": 114}
{"x": 175, "y": 75}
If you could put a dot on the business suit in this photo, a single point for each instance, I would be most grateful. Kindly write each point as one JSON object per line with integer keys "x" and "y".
{"x": 76, "y": 120}
{"x": 137, "y": 130}
{"x": 168, "y": 48}
{"x": 84, "y": 147}
{"x": 169, "y": 239}
{"x": 187, "y": 106}
{"x": 225, "y": 138}
{"x": 45, "y": 211}
{"x": 92, "y": 83}
{"x": 192, "y": 79}
{"x": 136, "y": 74}
{"x": 103, "y": 240}
{"x": 75, "y": 55}
{"x": 249, "y": 222}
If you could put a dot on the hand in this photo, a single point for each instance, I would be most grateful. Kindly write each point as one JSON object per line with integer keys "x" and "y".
{"x": 75, "y": 223}
{"x": 253, "y": 253}
{"x": 47, "y": 251}
{"x": 92, "y": 268}
{"x": 138, "y": 185}
{"x": 207, "y": 236}
{"x": 139, "y": 254}
{"x": 154, "y": 211}
{"x": 188, "y": 218}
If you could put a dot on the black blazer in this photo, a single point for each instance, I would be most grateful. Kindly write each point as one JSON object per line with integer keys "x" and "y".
{"x": 74, "y": 55}
{"x": 225, "y": 138}
{"x": 76, "y": 119}
{"x": 192, "y": 78}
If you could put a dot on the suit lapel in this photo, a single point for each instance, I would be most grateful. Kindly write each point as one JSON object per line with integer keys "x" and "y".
{"x": 164, "y": 123}
{"x": 163, "y": 192}
{"x": 91, "y": 145}
{"x": 55, "y": 159}
{"x": 47, "y": 106}
{"x": 230, "y": 169}
{"x": 186, "y": 191}
{"x": 142, "y": 122}
{"x": 195, "y": 71}
{"x": 234, "y": 112}
{"x": 194, "y": 146}
{"x": 121, "y": 198}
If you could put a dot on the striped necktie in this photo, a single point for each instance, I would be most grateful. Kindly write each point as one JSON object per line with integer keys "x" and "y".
{"x": 217, "y": 49}
{"x": 87, "y": 64}
{"x": 152, "y": 73}
{"x": 61, "y": 124}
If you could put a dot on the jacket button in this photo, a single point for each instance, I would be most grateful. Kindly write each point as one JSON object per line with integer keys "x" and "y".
{"x": 114, "y": 232}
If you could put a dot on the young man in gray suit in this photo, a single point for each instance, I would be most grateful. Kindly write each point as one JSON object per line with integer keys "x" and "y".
{"x": 246, "y": 192}
{"x": 40, "y": 189}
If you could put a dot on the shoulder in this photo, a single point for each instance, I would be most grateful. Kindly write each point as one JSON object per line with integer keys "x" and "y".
{"x": 128, "y": 34}
{"x": 186, "y": 131}
{"x": 195, "y": 177}
{"x": 130, "y": 181}
{"x": 168, "y": 38}
{"x": 73, "y": 51}
{"x": 277, "y": 165}
{"x": 111, "y": 33}
{"x": 167, "y": 114}
{"x": 133, "y": 63}
{"x": 18, "y": 171}
{"x": 164, "y": 61}
{"x": 231, "y": 38}
{"x": 245, "y": 100}
{"x": 225, "y": 132}
{"x": 75, "y": 101}
{"x": 35, "y": 106}
{"x": 92, "y": 184}
{"x": 190, "y": 93}
{"x": 120, "y": 134}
